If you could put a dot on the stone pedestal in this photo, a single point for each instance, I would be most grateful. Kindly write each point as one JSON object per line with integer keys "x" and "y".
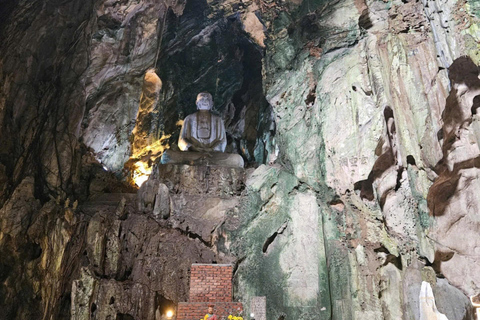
{"x": 202, "y": 158}
{"x": 213, "y": 181}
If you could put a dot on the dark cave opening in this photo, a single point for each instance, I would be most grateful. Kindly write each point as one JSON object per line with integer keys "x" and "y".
{"x": 475, "y": 105}
{"x": 124, "y": 316}
{"x": 163, "y": 305}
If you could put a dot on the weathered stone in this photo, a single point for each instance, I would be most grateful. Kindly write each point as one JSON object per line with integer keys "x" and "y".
{"x": 201, "y": 180}
{"x": 153, "y": 197}
{"x": 221, "y": 159}
{"x": 200, "y": 215}
{"x": 355, "y": 128}
{"x": 452, "y": 198}
{"x": 152, "y": 85}
{"x": 16, "y": 213}
{"x": 128, "y": 263}
{"x": 451, "y": 301}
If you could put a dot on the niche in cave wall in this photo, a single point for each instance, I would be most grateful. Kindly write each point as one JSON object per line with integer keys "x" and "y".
{"x": 202, "y": 52}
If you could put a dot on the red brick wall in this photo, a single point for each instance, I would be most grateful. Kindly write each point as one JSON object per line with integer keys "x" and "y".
{"x": 197, "y": 310}
{"x": 211, "y": 283}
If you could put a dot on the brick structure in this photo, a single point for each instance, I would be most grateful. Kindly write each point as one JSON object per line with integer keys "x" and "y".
{"x": 209, "y": 284}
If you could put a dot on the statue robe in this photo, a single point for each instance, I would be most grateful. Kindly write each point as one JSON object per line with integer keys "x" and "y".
{"x": 204, "y": 127}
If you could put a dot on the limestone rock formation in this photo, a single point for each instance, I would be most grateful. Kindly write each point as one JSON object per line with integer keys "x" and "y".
{"x": 358, "y": 123}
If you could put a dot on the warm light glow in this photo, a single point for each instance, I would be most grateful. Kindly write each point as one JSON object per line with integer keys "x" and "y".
{"x": 141, "y": 173}
{"x": 169, "y": 314}
{"x": 149, "y": 154}
{"x": 139, "y": 180}
{"x": 155, "y": 148}
{"x": 475, "y": 300}
{"x": 141, "y": 170}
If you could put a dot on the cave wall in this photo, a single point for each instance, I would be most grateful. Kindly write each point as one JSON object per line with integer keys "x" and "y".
{"x": 360, "y": 92}
{"x": 360, "y": 115}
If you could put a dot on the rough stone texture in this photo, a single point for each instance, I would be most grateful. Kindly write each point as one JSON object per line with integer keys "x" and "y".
{"x": 153, "y": 197}
{"x": 201, "y": 180}
{"x": 372, "y": 148}
{"x": 456, "y": 212}
{"x": 202, "y": 215}
{"x": 123, "y": 42}
{"x": 382, "y": 88}
{"x": 128, "y": 257}
{"x": 212, "y": 159}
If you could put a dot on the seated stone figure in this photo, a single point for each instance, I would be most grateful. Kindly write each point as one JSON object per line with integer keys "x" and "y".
{"x": 203, "y": 131}
{"x": 202, "y": 139}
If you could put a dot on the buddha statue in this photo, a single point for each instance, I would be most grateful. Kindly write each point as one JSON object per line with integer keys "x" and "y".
{"x": 202, "y": 139}
{"x": 203, "y": 131}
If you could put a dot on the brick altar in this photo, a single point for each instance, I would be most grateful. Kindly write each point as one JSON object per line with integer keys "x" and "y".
{"x": 209, "y": 284}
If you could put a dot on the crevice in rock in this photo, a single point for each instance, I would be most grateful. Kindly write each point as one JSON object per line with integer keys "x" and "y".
{"x": 124, "y": 316}
{"x": 125, "y": 275}
{"x": 93, "y": 309}
{"x": 270, "y": 239}
{"x": 389, "y": 258}
{"x": 440, "y": 135}
{"x": 337, "y": 204}
{"x": 399, "y": 178}
{"x": 30, "y": 251}
{"x": 441, "y": 256}
{"x": 237, "y": 265}
{"x": 364, "y": 21}
{"x": 194, "y": 236}
{"x": 475, "y": 105}
{"x": 268, "y": 242}
{"x": 300, "y": 187}
{"x": 386, "y": 151}
{"x": 411, "y": 160}
{"x": 311, "y": 97}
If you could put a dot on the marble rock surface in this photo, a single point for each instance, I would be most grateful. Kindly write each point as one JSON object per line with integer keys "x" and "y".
{"x": 357, "y": 122}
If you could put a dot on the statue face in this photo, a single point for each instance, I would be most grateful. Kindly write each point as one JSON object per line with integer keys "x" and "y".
{"x": 204, "y": 102}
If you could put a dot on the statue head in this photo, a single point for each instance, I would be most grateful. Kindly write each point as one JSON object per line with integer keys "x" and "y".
{"x": 204, "y": 101}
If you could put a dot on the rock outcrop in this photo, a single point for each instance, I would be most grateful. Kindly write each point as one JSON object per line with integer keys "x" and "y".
{"x": 357, "y": 121}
